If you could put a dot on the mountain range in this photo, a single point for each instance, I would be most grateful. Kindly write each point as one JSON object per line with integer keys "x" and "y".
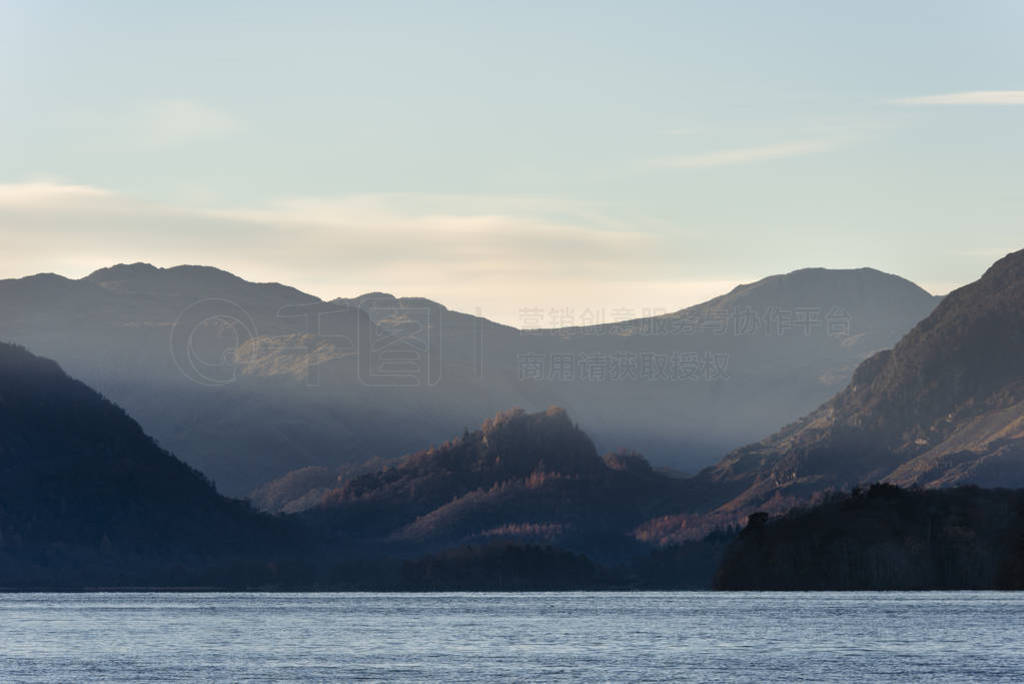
{"x": 942, "y": 408}
{"x": 87, "y": 498}
{"x": 250, "y": 381}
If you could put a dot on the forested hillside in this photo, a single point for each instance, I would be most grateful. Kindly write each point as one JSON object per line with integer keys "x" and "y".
{"x": 86, "y": 497}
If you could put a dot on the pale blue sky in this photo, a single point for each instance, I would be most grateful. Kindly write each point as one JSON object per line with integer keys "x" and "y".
{"x": 503, "y": 155}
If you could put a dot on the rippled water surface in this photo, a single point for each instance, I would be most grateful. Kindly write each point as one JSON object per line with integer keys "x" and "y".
{"x": 953, "y": 637}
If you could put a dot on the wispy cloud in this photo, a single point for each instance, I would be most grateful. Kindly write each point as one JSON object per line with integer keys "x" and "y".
{"x": 972, "y": 97}
{"x": 517, "y": 252}
{"x": 47, "y": 194}
{"x": 743, "y": 155}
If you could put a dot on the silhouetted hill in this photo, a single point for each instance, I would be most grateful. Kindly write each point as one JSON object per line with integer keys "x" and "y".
{"x": 945, "y": 406}
{"x": 87, "y": 498}
{"x": 533, "y": 478}
{"x": 884, "y": 538}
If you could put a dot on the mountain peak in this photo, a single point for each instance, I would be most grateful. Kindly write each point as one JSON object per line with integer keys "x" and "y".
{"x": 376, "y": 295}
{"x": 133, "y": 271}
{"x": 511, "y": 445}
{"x": 388, "y": 300}
{"x": 867, "y": 295}
{"x": 141, "y": 271}
{"x": 195, "y": 279}
{"x": 863, "y": 278}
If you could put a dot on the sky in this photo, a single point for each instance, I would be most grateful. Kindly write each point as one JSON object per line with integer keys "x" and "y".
{"x": 500, "y": 157}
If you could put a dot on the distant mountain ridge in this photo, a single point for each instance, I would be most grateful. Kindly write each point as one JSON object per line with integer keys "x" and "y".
{"x": 248, "y": 381}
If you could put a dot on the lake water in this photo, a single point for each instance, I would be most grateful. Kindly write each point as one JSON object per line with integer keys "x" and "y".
{"x": 955, "y": 637}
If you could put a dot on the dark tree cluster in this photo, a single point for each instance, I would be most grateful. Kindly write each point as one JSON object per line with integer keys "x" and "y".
{"x": 884, "y": 538}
